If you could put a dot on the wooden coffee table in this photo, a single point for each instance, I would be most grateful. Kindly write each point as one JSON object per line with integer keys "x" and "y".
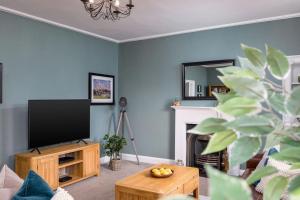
{"x": 143, "y": 186}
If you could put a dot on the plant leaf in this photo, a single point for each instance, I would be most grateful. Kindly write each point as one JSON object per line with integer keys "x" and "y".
{"x": 222, "y": 98}
{"x": 292, "y": 102}
{"x": 219, "y": 141}
{"x": 246, "y": 87}
{"x": 294, "y": 130}
{"x": 243, "y": 149}
{"x": 295, "y": 166}
{"x": 246, "y": 64}
{"x": 288, "y": 142}
{"x": 275, "y": 188}
{"x": 224, "y": 187}
{"x": 209, "y": 126}
{"x": 238, "y": 106}
{"x": 288, "y": 154}
{"x": 277, "y": 101}
{"x": 254, "y": 55}
{"x": 260, "y": 173}
{"x": 251, "y": 125}
{"x": 237, "y": 71}
{"x": 278, "y": 63}
{"x": 271, "y": 140}
{"x": 294, "y": 189}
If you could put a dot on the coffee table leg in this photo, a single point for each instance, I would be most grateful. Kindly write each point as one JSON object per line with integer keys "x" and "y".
{"x": 196, "y": 193}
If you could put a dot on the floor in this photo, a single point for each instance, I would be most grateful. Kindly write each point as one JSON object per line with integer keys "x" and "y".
{"x": 102, "y": 187}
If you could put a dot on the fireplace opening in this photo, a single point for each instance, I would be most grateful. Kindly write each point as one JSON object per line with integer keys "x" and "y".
{"x": 196, "y": 144}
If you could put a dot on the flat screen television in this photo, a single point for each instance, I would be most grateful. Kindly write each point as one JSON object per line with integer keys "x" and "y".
{"x": 57, "y": 121}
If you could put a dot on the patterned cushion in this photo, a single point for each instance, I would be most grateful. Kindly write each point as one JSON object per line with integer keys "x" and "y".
{"x": 9, "y": 183}
{"x": 62, "y": 194}
{"x": 283, "y": 170}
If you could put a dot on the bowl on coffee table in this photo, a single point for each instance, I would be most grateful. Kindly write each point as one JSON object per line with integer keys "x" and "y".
{"x": 161, "y": 172}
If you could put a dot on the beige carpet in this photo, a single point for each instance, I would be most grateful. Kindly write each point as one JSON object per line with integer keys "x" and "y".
{"x": 102, "y": 187}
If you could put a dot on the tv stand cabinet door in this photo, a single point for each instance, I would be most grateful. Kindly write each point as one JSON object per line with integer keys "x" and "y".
{"x": 47, "y": 168}
{"x": 91, "y": 161}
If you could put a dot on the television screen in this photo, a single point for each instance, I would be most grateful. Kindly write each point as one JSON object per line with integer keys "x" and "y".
{"x": 56, "y": 121}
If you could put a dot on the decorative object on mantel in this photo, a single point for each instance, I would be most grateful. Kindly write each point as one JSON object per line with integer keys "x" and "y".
{"x": 108, "y": 9}
{"x": 218, "y": 89}
{"x": 101, "y": 89}
{"x": 1, "y": 83}
{"x": 176, "y": 102}
{"x": 201, "y": 78}
{"x": 179, "y": 162}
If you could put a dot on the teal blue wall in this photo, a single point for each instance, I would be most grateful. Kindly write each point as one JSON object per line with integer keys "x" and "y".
{"x": 150, "y": 73}
{"x": 46, "y": 62}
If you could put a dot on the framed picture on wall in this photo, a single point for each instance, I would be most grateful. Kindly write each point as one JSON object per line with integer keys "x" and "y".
{"x": 101, "y": 89}
{"x": 1, "y": 83}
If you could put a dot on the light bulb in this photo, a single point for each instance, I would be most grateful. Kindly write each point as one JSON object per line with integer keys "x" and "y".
{"x": 117, "y": 3}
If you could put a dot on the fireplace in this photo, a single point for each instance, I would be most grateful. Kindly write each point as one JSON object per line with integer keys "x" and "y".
{"x": 185, "y": 118}
{"x": 195, "y": 145}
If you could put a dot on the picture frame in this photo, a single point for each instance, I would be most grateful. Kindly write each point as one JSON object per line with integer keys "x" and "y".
{"x": 101, "y": 89}
{"x": 1, "y": 83}
{"x": 217, "y": 89}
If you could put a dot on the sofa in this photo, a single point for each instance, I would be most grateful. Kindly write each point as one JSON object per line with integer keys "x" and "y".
{"x": 250, "y": 167}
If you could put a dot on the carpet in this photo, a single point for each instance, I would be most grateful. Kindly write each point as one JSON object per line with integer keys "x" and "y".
{"x": 103, "y": 186}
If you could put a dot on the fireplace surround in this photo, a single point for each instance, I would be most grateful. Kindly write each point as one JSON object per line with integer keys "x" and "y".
{"x": 190, "y": 115}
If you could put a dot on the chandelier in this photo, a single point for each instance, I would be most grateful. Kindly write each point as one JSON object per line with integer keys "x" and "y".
{"x": 107, "y": 9}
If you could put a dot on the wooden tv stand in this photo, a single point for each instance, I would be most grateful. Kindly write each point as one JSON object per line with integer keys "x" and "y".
{"x": 85, "y": 163}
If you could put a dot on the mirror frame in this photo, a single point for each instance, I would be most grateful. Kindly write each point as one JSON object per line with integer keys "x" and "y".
{"x": 212, "y": 62}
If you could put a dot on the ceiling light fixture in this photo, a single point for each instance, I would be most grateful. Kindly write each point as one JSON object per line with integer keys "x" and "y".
{"x": 107, "y": 9}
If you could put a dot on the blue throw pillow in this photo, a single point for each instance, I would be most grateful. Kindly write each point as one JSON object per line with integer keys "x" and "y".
{"x": 34, "y": 188}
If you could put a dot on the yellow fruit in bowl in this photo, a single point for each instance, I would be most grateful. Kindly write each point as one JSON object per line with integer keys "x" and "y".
{"x": 165, "y": 173}
{"x": 157, "y": 173}
{"x": 161, "y": 172}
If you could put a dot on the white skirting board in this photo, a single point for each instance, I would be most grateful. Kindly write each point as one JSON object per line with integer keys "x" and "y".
{"x": 143, "y": 159}
{"x": 104, "y": 159}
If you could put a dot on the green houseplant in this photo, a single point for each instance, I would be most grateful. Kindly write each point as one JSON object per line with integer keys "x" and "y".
{"x": 256, "y": 104}
{"x": 113, "y": 145}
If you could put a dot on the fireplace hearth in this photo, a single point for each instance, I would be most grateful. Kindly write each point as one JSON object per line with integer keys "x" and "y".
{"x": 196, "y": 144}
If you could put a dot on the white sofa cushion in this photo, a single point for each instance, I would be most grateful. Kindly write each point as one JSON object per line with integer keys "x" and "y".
{"x": 10, "y": 183}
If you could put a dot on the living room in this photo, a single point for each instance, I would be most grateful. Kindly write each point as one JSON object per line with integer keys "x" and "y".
{"x": 147, "y": 53}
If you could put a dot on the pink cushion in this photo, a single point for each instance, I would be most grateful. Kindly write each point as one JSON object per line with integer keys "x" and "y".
{"x": 10, "y": 183}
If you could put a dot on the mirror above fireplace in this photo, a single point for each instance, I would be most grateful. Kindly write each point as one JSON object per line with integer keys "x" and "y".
{"x": 200, "y": 79}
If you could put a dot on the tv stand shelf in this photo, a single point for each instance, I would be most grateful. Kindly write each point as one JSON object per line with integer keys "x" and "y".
{"x": 67, "y": 164}
{"x": 85, "y": 163}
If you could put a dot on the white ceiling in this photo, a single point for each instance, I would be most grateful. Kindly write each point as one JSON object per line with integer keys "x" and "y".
{"x": 154, "y": 18}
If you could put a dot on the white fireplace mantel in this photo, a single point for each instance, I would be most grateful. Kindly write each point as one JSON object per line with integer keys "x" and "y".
{"x": 191, "y": 115}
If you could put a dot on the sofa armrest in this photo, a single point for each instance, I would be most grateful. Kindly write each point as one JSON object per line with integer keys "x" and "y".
{"x": 246, "y": 173}
{"x": 253, "y": 162}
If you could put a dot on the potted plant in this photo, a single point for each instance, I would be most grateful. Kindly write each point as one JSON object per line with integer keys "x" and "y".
{"x": 256, "y": 103}
{"x": 113, "y": 145}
